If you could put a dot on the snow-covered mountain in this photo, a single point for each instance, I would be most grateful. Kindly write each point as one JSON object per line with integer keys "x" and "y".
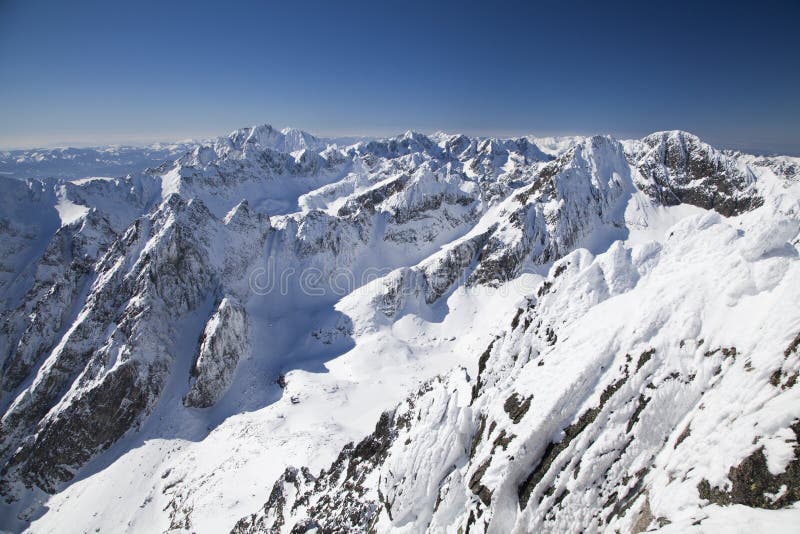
{"x": 274, "y": 332}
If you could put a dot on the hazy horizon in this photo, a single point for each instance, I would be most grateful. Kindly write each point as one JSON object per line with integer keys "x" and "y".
{"x": 144, "y": 141}
{"x": 95, "y": 74}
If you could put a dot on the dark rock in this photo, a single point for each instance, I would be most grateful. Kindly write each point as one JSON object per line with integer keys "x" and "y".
{"x": 751, "y": 481}
{"x": 516, "y": 407}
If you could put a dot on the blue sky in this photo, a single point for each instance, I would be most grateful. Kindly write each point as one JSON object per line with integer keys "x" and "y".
{"x": 103, "y": 72}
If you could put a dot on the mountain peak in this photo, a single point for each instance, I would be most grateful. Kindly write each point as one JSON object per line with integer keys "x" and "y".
{"x": 672, "y": 136}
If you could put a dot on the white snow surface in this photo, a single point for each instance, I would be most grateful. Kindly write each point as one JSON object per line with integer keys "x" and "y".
{"x": 419, "y": 252}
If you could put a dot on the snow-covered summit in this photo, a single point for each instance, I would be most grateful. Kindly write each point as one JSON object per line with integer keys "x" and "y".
{"x": 177, "y": 343}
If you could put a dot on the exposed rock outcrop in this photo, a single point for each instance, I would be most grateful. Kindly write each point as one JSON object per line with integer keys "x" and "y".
{"x": 223, "y": 343}
{"x": 679, "y": 168}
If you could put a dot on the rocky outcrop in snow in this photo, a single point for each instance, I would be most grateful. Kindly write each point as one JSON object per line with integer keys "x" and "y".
{"x": 224, "y": 341}
{"x": 677, "y": 167}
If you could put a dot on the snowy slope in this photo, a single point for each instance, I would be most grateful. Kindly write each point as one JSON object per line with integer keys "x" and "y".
{"x": 596, "y": 411}
{"x": 175, "y": 341}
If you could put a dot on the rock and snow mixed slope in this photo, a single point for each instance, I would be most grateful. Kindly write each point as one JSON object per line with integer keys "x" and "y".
{"x": 583, "y": 335}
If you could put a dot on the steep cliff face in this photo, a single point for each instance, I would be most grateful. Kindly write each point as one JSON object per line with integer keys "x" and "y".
{"x": 677, "y": 167}
{"x": 114, "y": 355}
{"x": 61, "y": 276}
{"x": 278, "y": 291}
{"x": 224, "y": 341}
{"x": 108, "y": 370}
{"x": 55, "y": 234}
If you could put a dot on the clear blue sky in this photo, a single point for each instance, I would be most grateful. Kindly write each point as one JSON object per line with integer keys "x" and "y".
{"x": 96, "y": 72}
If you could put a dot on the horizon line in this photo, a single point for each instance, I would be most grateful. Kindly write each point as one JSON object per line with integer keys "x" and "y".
{"x": 145, "y": 140}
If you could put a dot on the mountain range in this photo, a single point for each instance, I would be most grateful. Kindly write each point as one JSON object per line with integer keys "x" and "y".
{"x": 275, "y": 332}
